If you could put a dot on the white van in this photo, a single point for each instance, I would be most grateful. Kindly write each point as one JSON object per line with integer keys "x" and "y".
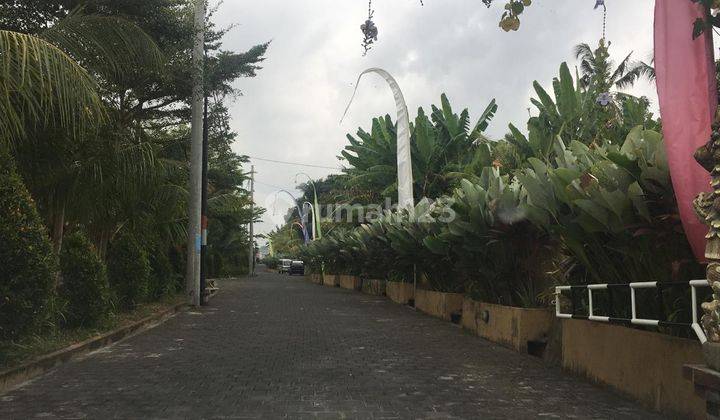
{"x": 284, "y": 266}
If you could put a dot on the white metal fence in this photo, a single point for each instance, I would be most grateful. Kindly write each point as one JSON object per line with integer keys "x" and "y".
{"x": 634, "y": 320}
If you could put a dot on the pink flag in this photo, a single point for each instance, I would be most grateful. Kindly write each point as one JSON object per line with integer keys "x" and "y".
{"x": 688, "y": 98}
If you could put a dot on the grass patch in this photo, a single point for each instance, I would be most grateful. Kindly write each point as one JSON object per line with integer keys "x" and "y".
{"x": 15, "y": 353}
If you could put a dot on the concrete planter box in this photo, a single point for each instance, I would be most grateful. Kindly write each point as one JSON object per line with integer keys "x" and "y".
{"x": 438, "y": 304}
{"x": 646, "y": 366}
{"x": 398, "y": 292}
{"x": 349, "y": 282}
{"x": 373, "y": 287}
{"x": 711, "y": 352}
{"x": 316, "y": 278}
{"x": 510, "y": 326}
{"x": 329, "y": 279}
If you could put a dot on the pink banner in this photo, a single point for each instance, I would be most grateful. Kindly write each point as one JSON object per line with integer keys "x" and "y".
{"x": 688, "y": 98}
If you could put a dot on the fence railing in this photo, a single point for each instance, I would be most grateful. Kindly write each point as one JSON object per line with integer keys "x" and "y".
{"x": 634, "y": 320}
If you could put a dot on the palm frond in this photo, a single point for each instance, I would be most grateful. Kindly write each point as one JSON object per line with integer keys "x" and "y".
{"x": 584, "y": 52}
{"x": 636, "y": 71}
{"x": 622, "y": 69}
{"x": 39, "y": 83}
{"x": 108, "y": 45}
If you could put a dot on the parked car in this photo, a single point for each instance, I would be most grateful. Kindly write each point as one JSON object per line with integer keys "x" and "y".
{"x": 297, "y": 267}
{"x": 284, "y": 265}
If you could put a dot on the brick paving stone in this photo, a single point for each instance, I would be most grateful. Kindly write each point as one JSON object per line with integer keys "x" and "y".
{"x": 279, "y": 347}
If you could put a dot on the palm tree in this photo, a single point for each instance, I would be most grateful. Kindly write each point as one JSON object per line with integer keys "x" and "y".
{"x": 52, "y": 77}
{"x": 596, "y": 68}
{"x": 50, "y": 97}
{"x": 40, "y": 82}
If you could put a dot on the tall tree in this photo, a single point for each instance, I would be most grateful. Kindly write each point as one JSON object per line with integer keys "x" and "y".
{"x": 597, "y": 68}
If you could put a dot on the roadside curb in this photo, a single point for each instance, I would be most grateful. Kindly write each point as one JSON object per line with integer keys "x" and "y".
{"x": 14, "y": 377}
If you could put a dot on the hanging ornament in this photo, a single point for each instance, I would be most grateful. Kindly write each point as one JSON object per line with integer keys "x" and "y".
{"x": 604, "y": 99}
{"x": 599, "y": 3}
{"x": 369, "y": 30}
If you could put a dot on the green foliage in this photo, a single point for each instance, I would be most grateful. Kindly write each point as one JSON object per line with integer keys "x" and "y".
{"x": 614, "y": 210}
{"x": 442, "y": 145}
{"x": 228, "y": 202}
{"x": 85, "y": 285}
{"x": 129, "y": 271}
{"x": 97, "y": 120}
{"x": 574, "y": 114}
{"x": 585, "y": 189}
{"x": 29, "y": 264}
{"x": 498, "y": 254}
{"x": 271, "y": 262}
{"x": 42, "y": 84}
{"x": 286, "y": 240}
{"x": 165, "y": 280}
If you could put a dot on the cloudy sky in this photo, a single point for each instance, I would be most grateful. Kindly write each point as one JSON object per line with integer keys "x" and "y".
{"x": 291, "y": 111}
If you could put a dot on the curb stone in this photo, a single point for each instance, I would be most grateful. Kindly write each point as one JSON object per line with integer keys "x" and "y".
{"x": 14, "y": 377}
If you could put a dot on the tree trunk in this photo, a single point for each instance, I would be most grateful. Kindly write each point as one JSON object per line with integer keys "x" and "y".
{"x": 103, "y": 244}
{"x": 58, "y": 223}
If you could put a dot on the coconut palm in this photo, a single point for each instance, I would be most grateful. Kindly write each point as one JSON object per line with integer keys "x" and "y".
{"x": 40, "y": 82}
{"x": 597, "y": 68}
{"x": 51, "y": 78}
{"x": 51, "y": 102}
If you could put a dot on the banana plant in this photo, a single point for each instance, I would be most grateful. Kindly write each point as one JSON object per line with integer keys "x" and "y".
{"x": 442, "y": 143}
{"x": 576, "y": 112}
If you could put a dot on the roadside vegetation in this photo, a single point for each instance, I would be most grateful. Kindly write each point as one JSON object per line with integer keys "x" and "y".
{"x": 580, "y": 195}
{"x": 94, "y": 145}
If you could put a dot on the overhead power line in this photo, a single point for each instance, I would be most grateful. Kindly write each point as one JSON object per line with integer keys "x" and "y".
{"x": 269, "y": 185}
{"x": 295, "y": 163}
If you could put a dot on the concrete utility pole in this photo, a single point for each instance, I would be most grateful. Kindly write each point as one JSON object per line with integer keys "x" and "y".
{"x": 192, "y": 275}
{"x": 204, "y": 206}
{"x": 251, "y": 259}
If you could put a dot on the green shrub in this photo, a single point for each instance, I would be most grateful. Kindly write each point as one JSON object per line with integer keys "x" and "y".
{"x": 164, "y": 280}
{"x": 271, "y": 262}
{"x": 129, "y": 271}
{"x": 85, "y": 284}
{"x": 29, "y": 265}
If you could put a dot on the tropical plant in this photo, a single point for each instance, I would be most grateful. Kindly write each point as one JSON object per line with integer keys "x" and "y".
{"x": 41, "y": 83}
{"x": 442, "y": 145}
{"x": 614, "y": 210}
{"x": 85, "y": 285}
{"x": 575, "y": 113}
{"x": 272, "y": 262}
{"x": 29, "y": 264}
{"x": 597, "y": 68}
{"x": 129, "y": 271}
{"x": 500, "y": 256}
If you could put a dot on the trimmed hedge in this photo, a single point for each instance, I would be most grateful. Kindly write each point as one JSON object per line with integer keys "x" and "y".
{"x": 129, "y": 271}
{"x": 85, "y": 284}
{"x": 163, "y": 278}
{"x": 29, "y": 265}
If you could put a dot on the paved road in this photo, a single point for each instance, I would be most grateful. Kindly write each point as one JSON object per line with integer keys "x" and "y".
{"x": 279, "y": 347}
